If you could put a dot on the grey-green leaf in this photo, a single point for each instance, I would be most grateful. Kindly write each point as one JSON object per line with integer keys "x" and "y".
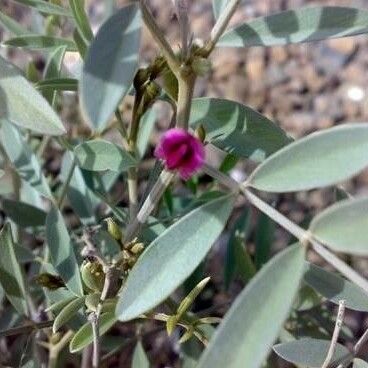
{"x": 140, "y": 359}
{"x": 52, "y": 70}
{"x": 100, "y": 155}
{"x": 110, "y": 65}
{"x": 79, "y": 195}
{"x": 308, "y": 352}
{"x": 61, "y": 251}
{"x": 295, "y": 26}
{"x": 11, "y": 277}
{"x": 84, "y": 335}
{"x": 39, "y": 42}
{"x": 22, "y": 105}
{"x": 343, "y": 226}
{"x": 335, "y": 288}
{"x": 12, "y": 26}
{"x": 24, "y": 214}
{"x": 45, "y": 7}
{"x": 81, "y": 19}
{"x": 318, "y": 160}
{"x": 58, "y": 84}
{"x": 253, "y": 322}
{"x": 172, "y": 257}
{"x": 23, "y": 159}
{"x": 359, "y": 363}
{"x": 218, "y": 7}
{"x": 67, "y": 313}
{"x": 237, "y": 129}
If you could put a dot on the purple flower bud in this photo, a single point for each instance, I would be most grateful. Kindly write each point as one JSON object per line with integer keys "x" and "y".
{"x": 181, "y": 151}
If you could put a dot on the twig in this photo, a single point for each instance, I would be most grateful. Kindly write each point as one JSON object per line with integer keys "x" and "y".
{"x": 358, "y": 346}
{"x": 181, "y": 7}
{"x": 149, "y": 204}
{"x": 221, "y": 24}
{"x": 26, "y": 329}
{"x": 303, "y": 236}
{"x": 159, "y": 37}
{"x": 335, "y": 335}
{"x": 94, "y": 319}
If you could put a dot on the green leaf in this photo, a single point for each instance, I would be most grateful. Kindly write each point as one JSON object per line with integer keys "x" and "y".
{"x": 101, "y": 155}
{"x": 52, "y": 70}
{"x": 140, "y": 359}
{"x": 110, "y": 65}
{"x": 79, "y": 195}
{"x": 24, "y": 214}
{"x": 244, "y": 264}
{"x": 218, "y": 7}
{"x": 318, "y": 160}
{"x": 12, "y": 26}
{"x": 11, "y": 276}
{"x": 343, "y": 226}
{"x": 61, "y": 251}
{"x": 45, "y": 7}
{"x": 253, "y": 322}
{"x": 359, "y": 363}
{"x": 23, "y": 159}
{"x": 145, "y": 129}
{"x": 58, "y": 84}
{"x": 335, "y": 288}
{"x": 309, "y": 352}
{"x": 264, "y": 237}
{"x": 237, "y": 129}
{"x": 67, "y": 313}
{"x": 172, "y": 257}
{"x": 40, "y": 42}
{"x": 295, "y": 26}
{"x": 238, "y": 233}
{"x": 84, "y": 335}
{"x": 81, "y": 19}
{"x": 22, "y": 105}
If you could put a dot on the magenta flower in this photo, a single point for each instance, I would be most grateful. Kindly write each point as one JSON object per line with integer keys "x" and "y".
{"x": 181, "y": 151}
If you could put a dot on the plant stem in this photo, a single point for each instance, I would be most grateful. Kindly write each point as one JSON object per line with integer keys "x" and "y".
{"x": 185, "y": 95}
{"x": 159, "y": 37}
{"x": 303, "y": 236}
{"x": 181, "y": 7}
{"x": 94, "y": 319}
{"x": 149, "y": 204}
{"x": 66, "y": 183}
{"x": 335, "y": 335}
{"x": 221, "y": 24}
{"x": 56, "y": 349}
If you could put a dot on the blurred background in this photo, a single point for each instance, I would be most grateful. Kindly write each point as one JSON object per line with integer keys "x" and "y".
{"x": 303, "y": 88}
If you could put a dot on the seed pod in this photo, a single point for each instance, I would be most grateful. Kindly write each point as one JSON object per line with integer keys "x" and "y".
{"x": 93, "y": 275}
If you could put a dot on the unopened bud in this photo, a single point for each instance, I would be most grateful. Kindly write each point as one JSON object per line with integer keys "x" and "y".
{"x": 200, "y": 133}
{"x": 113, "y": 229}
